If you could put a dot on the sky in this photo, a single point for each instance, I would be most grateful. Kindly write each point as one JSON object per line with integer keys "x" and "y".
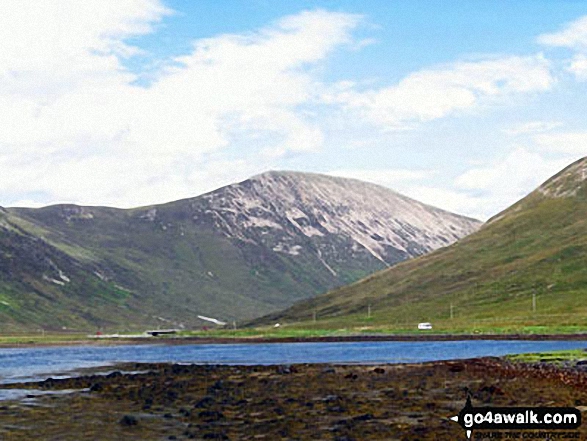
{"x": 467, "y": 106}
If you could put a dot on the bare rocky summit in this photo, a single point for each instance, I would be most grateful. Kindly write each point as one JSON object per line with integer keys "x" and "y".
{"x": 533, "y": 253}
{"x": 568, "y": 182}
{"x": 236, "y": 253}
{"x": 297, "y": 213}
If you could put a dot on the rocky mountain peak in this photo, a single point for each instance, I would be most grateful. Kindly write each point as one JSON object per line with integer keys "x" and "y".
{"x": 568, "y": 182}
{"x": 286, "y": 209}
{"x": 235, "y": 253}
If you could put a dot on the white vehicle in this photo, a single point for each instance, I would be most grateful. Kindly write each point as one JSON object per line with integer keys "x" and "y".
{"x": 424, "y": 326}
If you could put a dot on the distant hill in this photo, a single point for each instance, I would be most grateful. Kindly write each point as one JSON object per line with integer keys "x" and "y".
{"x": 233, "y": 254}
{"x": 527, "y": 266}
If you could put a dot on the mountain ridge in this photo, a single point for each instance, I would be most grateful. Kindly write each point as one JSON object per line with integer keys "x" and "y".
{"x": 524, "y": 266}
{"x": 234, "y": 253}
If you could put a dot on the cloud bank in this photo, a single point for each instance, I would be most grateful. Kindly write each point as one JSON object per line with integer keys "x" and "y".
{"x": 79, "y": 126}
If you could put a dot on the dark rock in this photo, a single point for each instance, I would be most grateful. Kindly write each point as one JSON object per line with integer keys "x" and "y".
{"x": 219, "y": 384}
{"x": 204, "y": 402}
{"x": 177, "y": 369}
{"x": 128, "y": 420}
{"x": 486, "y": 393}
{"x": 286, "y": 369}
{"x": 456, "y": 368}
{"x": 211, "y": 415}
{"x": 345, "y": 423}
{"x": 364, "y": 417}
{"x": 219, "y": 436}
{"x": 96, "y": 387}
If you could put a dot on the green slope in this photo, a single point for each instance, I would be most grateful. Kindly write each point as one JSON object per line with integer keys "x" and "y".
{"x": 526, "y": 269}
{"x": 234, "y": 254}
{"x": 42, "y": 286}
{"x": 170, "y": 275}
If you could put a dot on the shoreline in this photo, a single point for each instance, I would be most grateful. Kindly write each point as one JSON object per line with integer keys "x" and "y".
{"x": 318, "y": 339}
{"x": 298, "y": 401}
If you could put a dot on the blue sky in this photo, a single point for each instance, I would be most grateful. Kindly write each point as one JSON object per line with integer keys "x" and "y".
{"x": 464, "y": 105}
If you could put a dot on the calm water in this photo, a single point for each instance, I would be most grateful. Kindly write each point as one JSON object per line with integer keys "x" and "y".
{"x": 39, "y": 363}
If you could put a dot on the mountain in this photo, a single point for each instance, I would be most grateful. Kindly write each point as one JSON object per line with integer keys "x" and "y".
{"x": 233, "y": 254}
{"x": 524, "y": 268}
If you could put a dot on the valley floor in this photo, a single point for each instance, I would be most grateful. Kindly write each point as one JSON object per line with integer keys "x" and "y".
{"x": 297, "y": 402}
{"x": 19, "y": 341}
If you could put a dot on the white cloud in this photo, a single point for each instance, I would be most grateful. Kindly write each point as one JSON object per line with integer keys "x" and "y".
{"x": 574, "y": 35}
{"x": 413, "y": 183}
{"x": 499, "y": 184}
{"x": 453, "y": 200}
{"x": 390, "y": 178}
{"x": 532, "y": 127}
{"x": 119, "y": 181}
{"x": 44, "y": 35}
{"x": 569, "y": 143}
{"x": 578, "y": 67}
{"x": 436, "y": 93}
{"x": 485, "y": 189}
{"x": 77, "y": 127}
{"x": 60, "y": 73}
{"x": 519, "y": 171}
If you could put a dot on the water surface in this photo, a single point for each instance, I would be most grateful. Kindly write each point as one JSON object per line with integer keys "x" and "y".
{"x": 27, "y": 364}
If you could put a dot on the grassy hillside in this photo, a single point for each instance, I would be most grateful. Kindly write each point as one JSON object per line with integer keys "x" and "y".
{"x": 167, "y": 272}
{"x": 233, "y": 254}
{"x": 45, "y": 287}
{"x": 526, "y": 269}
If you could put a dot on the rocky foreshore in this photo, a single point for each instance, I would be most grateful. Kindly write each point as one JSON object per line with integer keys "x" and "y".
{"x": 296, "y": 402}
